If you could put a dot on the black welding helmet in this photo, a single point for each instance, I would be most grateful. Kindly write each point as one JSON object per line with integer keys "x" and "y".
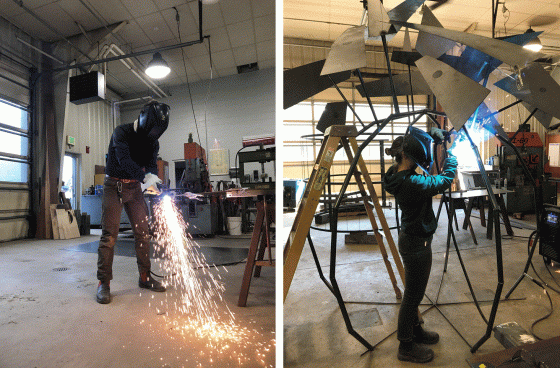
{"x": 153, "y": 120}
{"x": 417, "y": 145}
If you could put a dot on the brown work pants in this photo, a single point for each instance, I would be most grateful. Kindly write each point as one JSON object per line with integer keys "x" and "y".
{"x": 116, "y": 195}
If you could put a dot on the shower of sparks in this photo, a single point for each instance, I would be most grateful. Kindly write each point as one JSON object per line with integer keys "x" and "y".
{"x": 197, "y": 309}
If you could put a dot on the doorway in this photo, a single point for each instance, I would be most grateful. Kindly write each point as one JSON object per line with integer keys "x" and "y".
{"x": 70, "y": 174}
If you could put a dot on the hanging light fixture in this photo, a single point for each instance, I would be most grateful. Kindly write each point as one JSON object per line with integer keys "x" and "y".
{"x": 533, "y": 45}
{"x": 157, "y": 68}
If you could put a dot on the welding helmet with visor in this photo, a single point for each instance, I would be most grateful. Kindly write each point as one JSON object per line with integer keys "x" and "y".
{"x": 417, "y": 145}
{"x": 153, "y": 120}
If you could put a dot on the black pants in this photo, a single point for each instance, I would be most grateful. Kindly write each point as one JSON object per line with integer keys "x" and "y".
{"x": 416, "y": 254}
{"x": 137, "y": 211}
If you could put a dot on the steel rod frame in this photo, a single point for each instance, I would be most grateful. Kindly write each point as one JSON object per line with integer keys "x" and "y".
{"x": 496, "y": 218}
{"x": 347, "y": 102}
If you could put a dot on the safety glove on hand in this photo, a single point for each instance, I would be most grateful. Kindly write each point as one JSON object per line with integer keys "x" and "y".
{"x": 150, "y": 183}
{"x": 439, "y": 135}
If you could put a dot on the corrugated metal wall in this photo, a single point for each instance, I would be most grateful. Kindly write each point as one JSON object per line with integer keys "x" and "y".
{"x": 91, "y": 125}
{"x": 238, "y": 106}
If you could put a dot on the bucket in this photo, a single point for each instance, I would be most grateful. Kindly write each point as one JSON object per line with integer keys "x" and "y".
{"x": 234, "y": 225}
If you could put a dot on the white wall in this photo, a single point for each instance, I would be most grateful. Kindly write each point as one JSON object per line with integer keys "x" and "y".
{"x": 238, "y": 106}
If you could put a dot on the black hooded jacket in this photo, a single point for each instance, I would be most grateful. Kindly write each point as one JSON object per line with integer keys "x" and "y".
{"x": 129, "y": 153}
{"x": 414, "y": 193}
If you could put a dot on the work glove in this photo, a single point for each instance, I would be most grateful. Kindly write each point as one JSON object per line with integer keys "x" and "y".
{"x": 439, "y": 135}
{"x": 150, "y": 183}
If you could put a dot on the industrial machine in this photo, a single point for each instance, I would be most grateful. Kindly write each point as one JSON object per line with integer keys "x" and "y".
{"x": 257, "y": 179}
{"x": 531, "y": 147}
{"x": 191, "y": 175}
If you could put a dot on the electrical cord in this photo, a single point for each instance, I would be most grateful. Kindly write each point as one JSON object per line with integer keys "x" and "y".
{"x": 177, "y": 18}
{"x": 208, "y": 91}
{"x": 541, "y": 284}
{"x": 533, "y": 267}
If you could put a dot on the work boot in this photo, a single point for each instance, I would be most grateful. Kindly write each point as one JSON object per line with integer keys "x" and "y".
{"x": 422, "y": 336}
{"x": 147, "y": 282}
{"x": 414, "y": 352}
{"x": 103, "y": 293}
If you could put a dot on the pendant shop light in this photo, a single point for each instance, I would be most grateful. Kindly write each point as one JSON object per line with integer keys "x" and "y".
{"x": 157, "y": 68}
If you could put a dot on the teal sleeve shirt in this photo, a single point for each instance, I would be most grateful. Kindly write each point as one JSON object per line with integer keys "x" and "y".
{"x": 414, "y": 193}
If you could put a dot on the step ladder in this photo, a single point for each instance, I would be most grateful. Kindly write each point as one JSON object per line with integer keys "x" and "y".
{"x": 335, "y": 135}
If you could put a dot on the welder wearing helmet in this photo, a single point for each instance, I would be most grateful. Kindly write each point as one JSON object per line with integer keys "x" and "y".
{"x": 131, "y": 169}
{"x": 413, "y": 193}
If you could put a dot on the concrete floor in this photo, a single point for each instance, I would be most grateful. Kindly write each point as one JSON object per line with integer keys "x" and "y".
{"x": 314, "y": 331}
{"x": 51, "y": 319}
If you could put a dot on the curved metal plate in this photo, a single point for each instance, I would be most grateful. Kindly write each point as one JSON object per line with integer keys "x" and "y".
{"x": 348, "y": 52}
{"x": 509, "y": 53}
{"x": 459, "y": 95}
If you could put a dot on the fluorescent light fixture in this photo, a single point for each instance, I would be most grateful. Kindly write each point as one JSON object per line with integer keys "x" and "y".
{"x": 209, "y": 2}
{"x": 533, "y": 45}
{"x": 157, "y": 68}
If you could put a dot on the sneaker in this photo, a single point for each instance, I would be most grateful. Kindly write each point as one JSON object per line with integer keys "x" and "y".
{"x": 422, "y": 336}
{"x": 416, "y": 353}
{"x": 151, "y": 284}
{"x": 103, "y": 293}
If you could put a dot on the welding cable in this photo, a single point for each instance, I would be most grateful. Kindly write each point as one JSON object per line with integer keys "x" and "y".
{"x": 547, "y": 315}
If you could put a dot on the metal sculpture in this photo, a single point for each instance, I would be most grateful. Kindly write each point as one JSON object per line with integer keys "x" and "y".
{"x": 455, "y": 82}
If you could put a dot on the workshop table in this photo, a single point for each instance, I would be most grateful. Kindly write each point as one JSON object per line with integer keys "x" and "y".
{"x": 473, "y": 195}
{"x": 545, "y": 351}
{"x": 260, "y": 239}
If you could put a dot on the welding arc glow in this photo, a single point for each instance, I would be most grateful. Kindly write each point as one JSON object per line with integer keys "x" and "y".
{"x": 461, "y": 146}
{"x": 198, "y": 309}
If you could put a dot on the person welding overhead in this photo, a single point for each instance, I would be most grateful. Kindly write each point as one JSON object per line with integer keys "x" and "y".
{"x": 131, "y": 169}
{"x": 413, "y": 193}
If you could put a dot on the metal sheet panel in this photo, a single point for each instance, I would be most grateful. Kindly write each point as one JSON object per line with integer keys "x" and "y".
{"x": 334, "y": 114}
{"x": 382, "y": 87}
{"x": 537, "y": 88}
{"x": 509, "y": 53}
{"x": 540, "y": 115}
{"x": 407, "y": 45}
{"x": 305, "y": 81}
{"x": 348, "y": 52}
{"x": 429, "y": 44}
{"x": 458, "y": 94}
{"x": 476, "y": 64}
{"x": 378, "y": 20}
{"x": 401, "y": 12}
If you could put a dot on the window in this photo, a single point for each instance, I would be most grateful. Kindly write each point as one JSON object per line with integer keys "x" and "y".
{"x": 14, "y": 143}
{"x": 301, "y": 119}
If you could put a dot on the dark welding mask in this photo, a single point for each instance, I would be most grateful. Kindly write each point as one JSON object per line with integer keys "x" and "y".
{"x": 153, "y": 120}
{"x": 418, "y": 146}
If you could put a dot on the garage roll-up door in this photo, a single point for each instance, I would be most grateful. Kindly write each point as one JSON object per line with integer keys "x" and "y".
{"x": 15, "y": 195}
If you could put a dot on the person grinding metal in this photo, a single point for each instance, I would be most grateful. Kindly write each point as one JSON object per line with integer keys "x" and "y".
{"x": 131, "y": 169}
{"x": 413, "y": 193}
